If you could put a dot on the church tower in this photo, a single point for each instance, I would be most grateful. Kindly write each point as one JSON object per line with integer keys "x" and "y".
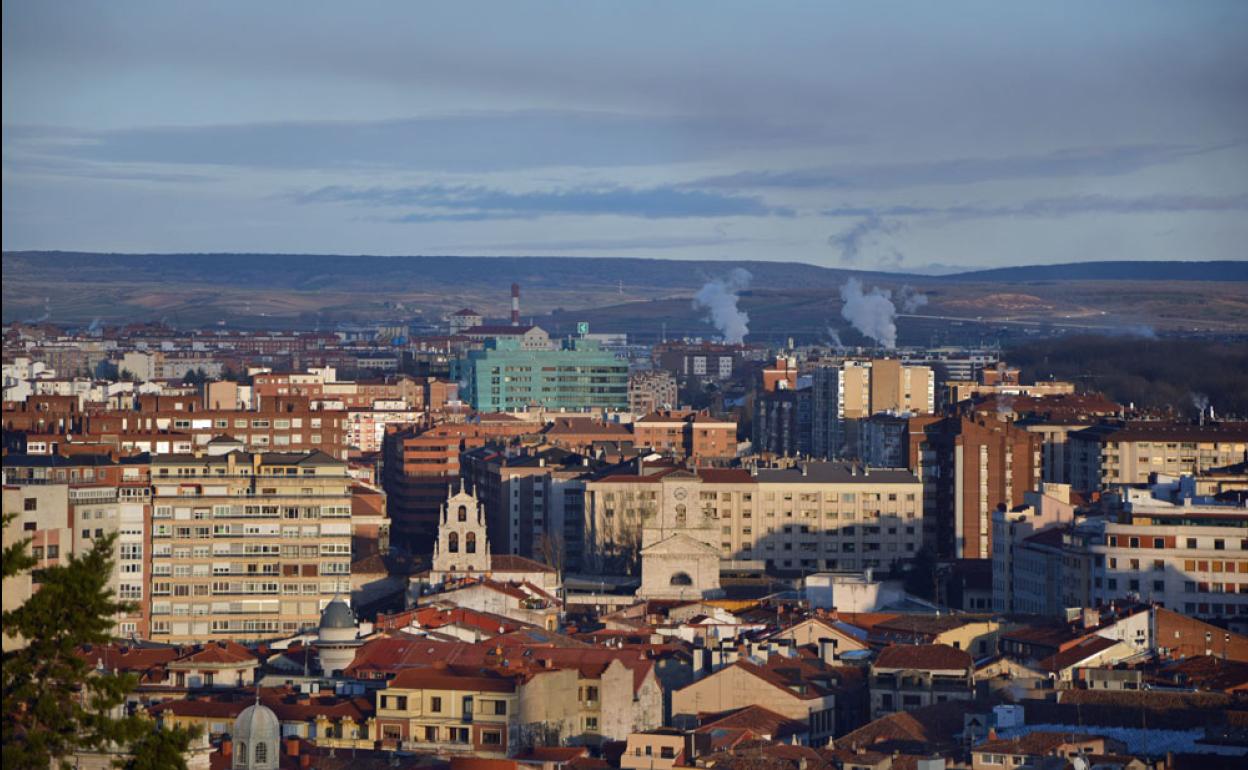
{"x": 462, "y": 547}
{"x": 679, "y": 546}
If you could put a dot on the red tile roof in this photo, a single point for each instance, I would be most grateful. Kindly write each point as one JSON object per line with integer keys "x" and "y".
{"x": 1034, "y": 744}
{"x": 925, "y": 657}
{"x": 217, "y": 653}
{"x": 452, "y": 678}
{"x": 1077, "y": 653}
{"x": 763, "y": 722}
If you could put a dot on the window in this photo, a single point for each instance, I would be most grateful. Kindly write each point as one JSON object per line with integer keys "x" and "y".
{"x": 262, "y": 752}
{"x": 491, "y": 738}
{"x": 500, "y": 707}
{"x": 435, "y": 704}
{"x": 30, "y": 504}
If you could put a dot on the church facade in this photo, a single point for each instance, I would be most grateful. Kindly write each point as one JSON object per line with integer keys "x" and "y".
{"x": 463, "y": 547}
{"x": 679, "y": 544}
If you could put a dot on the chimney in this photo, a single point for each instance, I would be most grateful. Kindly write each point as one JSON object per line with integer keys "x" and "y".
{"x": 827, "y": 650}
{"x": 227, "y": 748}
{"x": 292, "y": 747}
{"x": 515, "y": 304}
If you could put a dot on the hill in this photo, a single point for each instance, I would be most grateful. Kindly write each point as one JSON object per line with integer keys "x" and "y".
{"x": 1226, "y": 270}
{"x": 647, "y": 296}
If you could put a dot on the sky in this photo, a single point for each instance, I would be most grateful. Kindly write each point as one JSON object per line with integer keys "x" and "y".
{"x": 903, "y": 136}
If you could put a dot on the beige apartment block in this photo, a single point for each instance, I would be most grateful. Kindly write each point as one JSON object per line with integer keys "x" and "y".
{"x": 816, "y": 515}
{"x": 247, "y": 546}
{"x": 1104, "y": 456}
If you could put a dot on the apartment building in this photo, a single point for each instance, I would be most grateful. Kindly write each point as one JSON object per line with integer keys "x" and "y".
{"x": 65, "y": 503}
{"x": 420, "y": 466}
{"x": 970, "y": 466}
{"x": 1127, "y": 453}
{"x": 522, "y": 337}
{"x": 808, "y": 517}
{"x": 1190, "y": 558}
{"x": 853, "y": 390}
{"x": 782, "y": 420}
{"x": 905, "y": 677}
{"x": 1050, "y": 505}
{"x": 534, "y": 501}
{"x": 449, "y": 711}
{"x": 702, "y": 362}
{"x": 687, "y": 434}
{"x": 579, "y": 376}
{"x": 247, "y": 546}
{"x": 164, "y": 425}
{"x": 1167, "y": 547}
{"x": 651, "y": 391}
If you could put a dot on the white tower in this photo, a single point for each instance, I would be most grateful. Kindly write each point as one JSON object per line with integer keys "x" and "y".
{"x": 336, "y": 637}
{"x": 463, "y": 547}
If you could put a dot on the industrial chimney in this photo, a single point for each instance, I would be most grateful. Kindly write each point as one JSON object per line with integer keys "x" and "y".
{"x": 515, "y": 304}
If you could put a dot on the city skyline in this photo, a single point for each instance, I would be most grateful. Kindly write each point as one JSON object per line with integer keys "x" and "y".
{"x": 919, "y": 140}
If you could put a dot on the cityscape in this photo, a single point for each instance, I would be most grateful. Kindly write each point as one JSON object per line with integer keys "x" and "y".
{"x": 544, "y": 387}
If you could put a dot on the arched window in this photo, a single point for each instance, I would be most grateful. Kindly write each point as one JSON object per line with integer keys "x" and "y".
{"x": 452, "y": 542}
{"x": 680, "y": 514}
{"x": 681, "y": 579}
{"x": 463, "y": 513}
{"x": 262, "y": 752}
{"x": 242, "y": 751}
{"x": 470, "y": 542}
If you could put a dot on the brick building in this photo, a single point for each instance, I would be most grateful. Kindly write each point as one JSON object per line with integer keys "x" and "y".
{"x": 970, "y": 467}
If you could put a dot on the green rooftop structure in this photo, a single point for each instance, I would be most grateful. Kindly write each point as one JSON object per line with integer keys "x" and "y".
{"x": 577, "y": 377}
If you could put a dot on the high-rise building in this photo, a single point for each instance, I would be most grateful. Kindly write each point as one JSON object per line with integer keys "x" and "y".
{"x": 843, "y": 394}
{"x": 970, "y": 467}
{"x": 247, "y": 546}
{"x": 505, "y": 377}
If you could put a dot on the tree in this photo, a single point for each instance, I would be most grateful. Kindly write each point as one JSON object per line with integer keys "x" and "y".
{"x": 162, "y": 749}
{"x": 54, "y": 704}
{"x": 554, "y": 552}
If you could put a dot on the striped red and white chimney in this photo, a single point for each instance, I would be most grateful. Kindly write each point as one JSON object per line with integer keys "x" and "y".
{"x": 515, "y": 304}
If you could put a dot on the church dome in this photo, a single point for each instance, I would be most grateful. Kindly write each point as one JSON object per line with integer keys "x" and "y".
{"x": 337, "y": 615}
{"x": 257, "y": 736}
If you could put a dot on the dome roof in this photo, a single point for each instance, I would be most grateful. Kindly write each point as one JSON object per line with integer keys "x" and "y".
{"x": 257, "y": 723}
{"x": 337, "y": 615}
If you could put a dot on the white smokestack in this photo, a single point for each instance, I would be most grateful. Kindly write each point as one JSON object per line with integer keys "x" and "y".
{"x": 871, "y": 313}
{"x": 515, "y": 304}
{"x": 719, "y": 297}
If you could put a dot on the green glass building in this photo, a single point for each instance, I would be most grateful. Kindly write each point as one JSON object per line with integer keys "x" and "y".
{"x": 576, "y": 377}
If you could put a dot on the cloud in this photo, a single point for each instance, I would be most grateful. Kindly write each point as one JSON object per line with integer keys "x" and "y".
{"x": 1044, "y": 208}
{"x": 459, "y": 203}
{"x": 466, "y": 141}
{"x": 610, "y": 244}
{"x": 851, "y": 241}
{"x": 1073, "y": 162}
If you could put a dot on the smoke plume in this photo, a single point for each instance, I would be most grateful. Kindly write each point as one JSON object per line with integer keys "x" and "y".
{"x": 910, "y": 299}
{"x": 871, "y": 313}
{"x": 719, "y": 297}
{"x": 836, "y": 340}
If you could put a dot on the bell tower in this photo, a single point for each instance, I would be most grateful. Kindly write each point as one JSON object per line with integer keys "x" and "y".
{"x": 463, "y": 547}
